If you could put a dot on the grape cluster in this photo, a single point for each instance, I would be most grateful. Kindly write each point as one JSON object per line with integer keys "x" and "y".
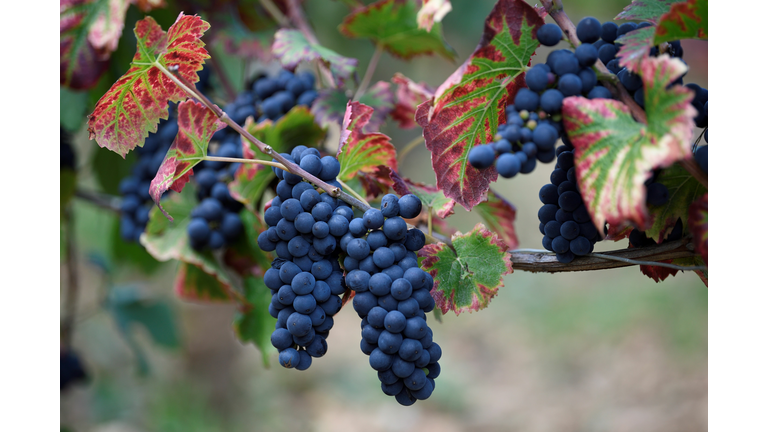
{"x": 271, "y": 97}
{"x": 305, "y": 229}
{"x": 564, "y": 220}
{"x": 392, "y": 296}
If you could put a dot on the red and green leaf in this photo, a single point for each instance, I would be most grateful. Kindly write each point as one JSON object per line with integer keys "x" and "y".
{"x": 409, "y": 96}
{"x": 108, "y": 25}
{"x": 469, "y": 277}
{"x": 331, "y": 104}
{"x": 81, "y": 64}
{"x": 683, "y": 191}
{"x": 292, "y": 48}
{"x": 685, "y": 20}
{"x": 499, "y": 214}
{"x": 166, "y": 239}
{"x": 393, "y": 25}
{"x": 359, "y": 151}
{"x": 658, "y": 273}
{"x": 432, "y": 11}
{"x": 646, "y": 10}
{"x": 636, "y": 48}
{"x": 470, "y": 105}
{"x": 430, "y": 196}
{"x": 134, "y": 105}
{"x": 253, "y": 323}
{"x": 197, "y": 124}
{"x": 615, "y": 155}
{"x": 194, "y": 284}
{"x": 698, "y": 221}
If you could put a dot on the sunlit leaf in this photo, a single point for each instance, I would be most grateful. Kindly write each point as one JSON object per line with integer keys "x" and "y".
{"x": 636, "y": 46}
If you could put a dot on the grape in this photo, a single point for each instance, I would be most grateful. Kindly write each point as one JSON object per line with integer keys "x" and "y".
{"x": 588, "y": 80}
{"x": 536, "y": 78}
{"x": 569, "y": 85}
{"x": 625, "y": 28}
{"x": 410, "y": 206}
{"x": 566, "y": 63}
{"x": 629, "y": 80}
{"x": 552, "y": 101}
{"x": 586, "y": 54}
{"x": 589, "y": 30}
{"x": 657, "y": 195}
{"x": 526, "y": 100}
{"x": 701, "y": 157}
{"x": 549, "y": 34}
{"x": 609, "y": 32}
{"x": 600, "y": 93}
{"x": 607, "y": 53}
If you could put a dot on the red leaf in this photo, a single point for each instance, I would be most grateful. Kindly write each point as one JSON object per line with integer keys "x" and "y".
{"x": 81, "y": 64}
{"x": 197, "y": 124}
{"x": 499, "y": 214}
{"x": 360, "y": 151}
{"x": 409, "y": 96}
{"x": 658, "y": 273}
{"x": 134, "y": 104}
{"x": 470, "y": 105}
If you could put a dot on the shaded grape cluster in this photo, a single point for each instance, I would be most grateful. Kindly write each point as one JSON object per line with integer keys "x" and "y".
{"x": 564, "y": 219}
{"x": 392, "y": 296}
{"x": 305, "y": 230}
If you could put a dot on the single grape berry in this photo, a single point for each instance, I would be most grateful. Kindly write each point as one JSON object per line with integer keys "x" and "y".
{"x": 549, "y": 34}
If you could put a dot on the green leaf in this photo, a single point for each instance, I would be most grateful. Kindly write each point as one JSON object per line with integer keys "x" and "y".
{"x": 469, "y": 277}
{"x": 72, "y": 108}
{"x": 636, "y": 48}
{"x": 109, "y": 169}
{"x": 393, "y": 24}
{"x": 254, "y": 323}
{"x": 134, "y": 104}
{"x": 614, "y": 155}
{"x": 291, "y": 48}
{"x": 686, "y": 20}
{"x": 251, "y": 180}
{"x": 430, "y": 196}
{"x": 469, "y": 107}
{"x": 698, "y": 222}
{"x": 683, "y": 191}
{"x": 194, "y": 284}
{"x": 646, "y": 10}
{"x": 131, "y": 308}
{"x": 499, "y": 214}
{"x": 167, "y": 239}
{"x": 359, "y": 151}
{"x": 197, "y": 124}
{"x": 68, "y": 182}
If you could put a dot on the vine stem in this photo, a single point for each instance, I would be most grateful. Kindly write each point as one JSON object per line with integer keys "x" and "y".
{"x": 275, "y": 13}
{"x": 351, "y": 191}
{"x": 105, "y": 201}
{"x": 70, "y": 307}
{"x": 250, "y": 161}
{"x": 536, "y": 261}
{"x": 298, "y": 18}
{"x": 409, "y": 147}
{"x": 558, "y": 14}
{"x": 291, "y": 167}
{"x": 369, "y": 71}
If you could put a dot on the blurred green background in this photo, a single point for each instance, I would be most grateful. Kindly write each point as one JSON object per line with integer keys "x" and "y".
{"x": 597, "y": 351}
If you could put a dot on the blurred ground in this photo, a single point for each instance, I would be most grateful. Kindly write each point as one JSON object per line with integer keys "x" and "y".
{"x": 598, "y": 351}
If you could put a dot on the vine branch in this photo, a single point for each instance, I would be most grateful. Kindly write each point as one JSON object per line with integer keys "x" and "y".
{"x": 369, "y": 71}
{"x": 537, "y": 262}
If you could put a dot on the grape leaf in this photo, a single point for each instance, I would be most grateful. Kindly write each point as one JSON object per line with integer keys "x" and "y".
{"x": 499, "y": 214}
{"x": 646, "y": 10}
{"x": 360, "y": 151}
{"x": 250, "y": 182}
{"x": 393, "y": 25}
{"x": 698, "y": 222}
{"x": 430, "y": 196}
{"x": 81, "y": 64}
{"x": 469, "y": 277}
{"x": 291, "y": 48}
{"x": 134, "y": 104}
{"x": 658, "y": 273}
{"x": 108, "y": 25}
{"x": 374, "y": 183}
{"x": 167, "y": 239}
{"x": 409, "y": 96}
{"x": 330, "y": 105}
{"x": 432, "y": 11}
{"x": 683, "y": 191}
{"x": 686, "y": 20}
{"x": 197, "y": 124}
{"x": 253, "y": 323}
{"x": 131, "y": 307}
{"x": 194, "y": 284}
{"x": 469, "y": 106}
{"x": 615, "y": 155}
{"x": 237, "y": 39}
{"x": 636, "y": 48}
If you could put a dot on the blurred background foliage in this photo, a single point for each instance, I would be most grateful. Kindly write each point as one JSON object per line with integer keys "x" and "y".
{"x": 596, "y": 351}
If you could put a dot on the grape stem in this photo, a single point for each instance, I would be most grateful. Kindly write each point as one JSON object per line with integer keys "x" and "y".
{"x": 351, "y": 191}
{"x": 250, "y": 161}
{"x": 369, "y": 72}
{"x": 536, "y": 261}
